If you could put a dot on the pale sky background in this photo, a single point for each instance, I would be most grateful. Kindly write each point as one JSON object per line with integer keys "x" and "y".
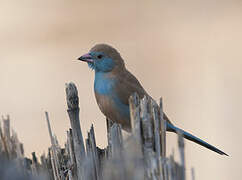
{"x": 188, "y": 52}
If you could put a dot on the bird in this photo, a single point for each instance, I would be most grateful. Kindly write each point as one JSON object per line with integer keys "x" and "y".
{"x": 114, "y": 84}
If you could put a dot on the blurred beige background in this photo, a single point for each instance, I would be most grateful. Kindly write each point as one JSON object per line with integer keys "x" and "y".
{"x": 188, "y": 52}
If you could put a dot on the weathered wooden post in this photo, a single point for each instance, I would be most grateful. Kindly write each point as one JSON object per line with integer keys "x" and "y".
{"x": 109, "y": 124}
{"x": 70, "y": 176}
{"x": 92, "y": 154}
{"x": 116, "y": 157}
{"x": 4, "y": 144}
{"x": 148, "y": 139}
{"x": 73, "y": 112}
{"x": 71, "y": 148}
{"x": 140, "y": 156}
{"x": 136, "y": 146}
{"x": 163, "y": 141}
{"x": 17, "y": 149}
{"x": 6, "y": 135}
{"x": 157, "y": 135}
{"x": 163, "y": 130}
{"x": 193, "y": 173}
{"x": 116, "y": 140}
{"x": 53, "y": 165}
{"x": 134, "y": 107}
{"x": 181, "y": 146}
{"x": 1, "y": 145}
{"x": 54, "y": 160}
{"x": 6, "y": 127}
{"x": 34, "y": 166}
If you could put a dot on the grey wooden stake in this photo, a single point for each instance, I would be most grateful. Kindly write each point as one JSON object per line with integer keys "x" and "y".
{"x": 19, "y": 153}
{"x": 4, "y": 144}
{"x": 56, "y": 166}
{"x": 134, "y": 107}
{"x": 117, "y": 150}
{"x": 157, "y": 131}
{"x": 71, "y": 148}
{"x": 116, "y": 140}
{"x": 6, "y": 131}
{"x": 1, "y": 143}
{"x": 17, "y": 144}
{"x": 6, "y": 127}
{"x": 70, "y": 177}
{"x": 163, "y": 141}
{"x": 94, "y": 152}
{"x": 169, "y": 169}
{"x": 109, "y": 124}
{"x": 73, "y": 112}
{"x": 181, "y": 146}
{"x": 193, "y": 173}
{"x": 35, "y": 168}
{"x": 53, "y": 165}
{"x": 147, "y": 127}
{"x": 163, "y": 131}
{"x": 148, "y": 140}
{"x": 156, "y": 119}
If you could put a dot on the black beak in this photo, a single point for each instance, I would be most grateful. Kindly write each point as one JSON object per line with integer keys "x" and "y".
{"x": 86, "y": 58}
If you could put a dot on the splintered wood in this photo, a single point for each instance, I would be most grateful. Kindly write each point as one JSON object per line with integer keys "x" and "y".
{"x": 141, "y": 155}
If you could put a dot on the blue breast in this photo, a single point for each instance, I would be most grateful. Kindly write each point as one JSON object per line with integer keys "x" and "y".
{"x": 105, "y": 85}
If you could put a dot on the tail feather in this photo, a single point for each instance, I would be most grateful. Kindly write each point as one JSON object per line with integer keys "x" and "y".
{"x": 193, "y": 138}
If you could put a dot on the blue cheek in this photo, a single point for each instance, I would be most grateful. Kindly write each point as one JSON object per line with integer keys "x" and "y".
{"x": 104, "y": 65}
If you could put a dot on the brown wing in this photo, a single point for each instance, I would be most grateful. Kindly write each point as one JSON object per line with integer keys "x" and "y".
{"x": 127, "y": 85}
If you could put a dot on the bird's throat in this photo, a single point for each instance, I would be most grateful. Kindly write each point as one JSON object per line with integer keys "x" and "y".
{"x": 103, "y": 83}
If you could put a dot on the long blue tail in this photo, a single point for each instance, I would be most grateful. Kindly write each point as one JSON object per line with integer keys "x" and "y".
{"x": 191, "y": 137}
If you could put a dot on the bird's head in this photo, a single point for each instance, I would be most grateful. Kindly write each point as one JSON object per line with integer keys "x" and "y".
{"x": 103, "y": 58}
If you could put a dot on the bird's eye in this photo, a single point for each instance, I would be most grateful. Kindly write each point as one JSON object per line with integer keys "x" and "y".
{"x": 99, "y": 56}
